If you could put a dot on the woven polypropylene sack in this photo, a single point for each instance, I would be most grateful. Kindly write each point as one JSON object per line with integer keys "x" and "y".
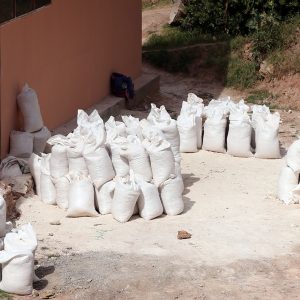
{"x": 40, "y": 139}
{"x": 48, "y": 192}
{"x": 62, "y": 186}
{"x": 104, "y": 197}
{"x": 59, "y": 165}
{"x": 188, "y": 133}
{"x": 35, "y": 170}
{"x": 171, "y": 196}
{"x": 149, "y": 202}
{"x": 2, "y": 216}
{"x": 293, "y": 156}
{"x": 21, "y": 144}
{"x": 288, "y": 181}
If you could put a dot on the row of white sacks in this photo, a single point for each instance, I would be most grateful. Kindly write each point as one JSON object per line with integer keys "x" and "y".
{"x": 122, "y": 168}
{"x": 260, "y": 132}
{"x": 288, "y": 184}
{"x": 17, "y": 252}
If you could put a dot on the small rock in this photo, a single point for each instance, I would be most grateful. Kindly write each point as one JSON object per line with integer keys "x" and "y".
{"x": 47, "y": 295}
{"x": 182, "y": 235}
{"x": 56, "y": 222}
{"x": 35, "y": 293}
{"x": 89, "y": 280}
{"x": 50, "y": 234}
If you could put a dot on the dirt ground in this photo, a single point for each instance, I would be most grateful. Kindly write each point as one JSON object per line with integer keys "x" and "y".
{"x": 245, "y": 244}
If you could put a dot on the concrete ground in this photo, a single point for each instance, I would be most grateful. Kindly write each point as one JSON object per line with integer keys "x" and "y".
{"x": 245, "y": 244}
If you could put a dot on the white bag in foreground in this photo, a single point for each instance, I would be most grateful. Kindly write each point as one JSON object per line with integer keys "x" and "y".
{"x": 2, "y": 216}
{"x": 149, "y": 202}
{"x": 59, "y": 165}
{"x": 100, "y": 166}
{"x": 115, "y": 126}
{"x": 266, "y": 137}
{"x": 293, "y": 156}
{"x": 21, "y": 144}
{"x": 125, "y": 198}
{"x": 48, "y": 192}
{"x": 17, "y": 272}
{"x": 214, "y": 132}
{"x": 288, "y": 181}
{"x": 171, "y": 196}
{"x": 187, "y": 129}
{"x": 138, "y": 158}
{"x": 29, "y": 106}
{"x": 81, "y": 197}
{"x": 34, "y": 164}
{"x": 161, "y": 158}
{"x": 104, "y": 197}
{"x": 239, "y": 135}
{"x": 133, "y": 126}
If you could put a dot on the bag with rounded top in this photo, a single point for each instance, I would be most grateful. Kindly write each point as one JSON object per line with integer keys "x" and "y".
{"x": 149, "y": 202}
{"x": 138, "y": 158}
{"x": 239, "y": 134}
{"x": 288, "y": 181}
{"x": 21, "y": 144}
{"x": 125, "y": 198}
{"x": 48, "y": 192}
{"x": 17, "y": 272}
{"x": 113, "y": 125}
{"x": 214, "y": 131}
{"x": 293, "y": 156}
{"x": 59, "y": 165}
{"x": 266, "y": 136}
{"x": 161, "y": 158}
{"x": 100, "y": 166}
{"x": 29, "y": 106}
{"x": 12, "y": 167}
{"x": 62, "y": 186}
{"x": 81, "y": 197}
{"x": 104, "y": 197}
{"x": 186, "y": 124}
{"x": 171, "y": 195}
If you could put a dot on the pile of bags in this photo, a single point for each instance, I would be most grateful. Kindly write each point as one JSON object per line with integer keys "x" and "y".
{"x": 122, "y": 168}
{"x": 288, "y": 184}
{"x": 35, "y": 135}
{"x": 228, "y": 127}
{"x": 17, "y": 251}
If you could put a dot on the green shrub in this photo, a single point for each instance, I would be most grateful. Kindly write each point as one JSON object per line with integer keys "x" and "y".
{"x": 241, "y": 74}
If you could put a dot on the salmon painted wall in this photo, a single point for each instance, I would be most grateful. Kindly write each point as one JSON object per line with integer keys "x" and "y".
{"x": 66, "y": 51}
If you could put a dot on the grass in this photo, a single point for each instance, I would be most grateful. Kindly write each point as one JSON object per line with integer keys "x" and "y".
{"x": 173, "y": 37}
{"x": 262, "y": 97}
{"x": 160, "y": 3}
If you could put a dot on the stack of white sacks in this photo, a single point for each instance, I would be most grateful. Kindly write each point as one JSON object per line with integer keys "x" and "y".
{"x": 17, "y": 251}
{"x": 228, "y": 127}
{"x": 122, "y": 168}
{"x": 288, "y": 185}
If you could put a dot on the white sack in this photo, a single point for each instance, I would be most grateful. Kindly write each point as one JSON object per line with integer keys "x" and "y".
{"x": 100, "y": 166}
{"x": 17, "y": 272}
{"x": 21, "y": 144}
{"x": 125, "y": 198}
{"x": 120, "y": 163}
{"x": 29, "y": 106}
{"x": 81, "y": 197}
{"x": 115, "y": 126}
{"x": 293, "y": 156}
{"x": 62, "y": 186}
{"x": 133, "y": 126}
{"x": 48, "y": 192}
{"x": 104, "y": 197}
{"x": 187, "y": 129}
{"x": 296, "y": 194}
{"x": 149, "y": 202}
{"x": 2, "y": 216}
{"x": 34, "y": 164}
{"x": 40, "y": 139}
{"x": 59, "y": 165}
{"x": 171, "y": 196}
{"x": 239, "y": 135}
{"x": 288, "y": 181}
{"x": 266, "y": 137}
{"x": 138, "y": 158}
{"x": 161, "y": 158}
{"x": 76, "y": 160}
{"x": 214, "y": 132}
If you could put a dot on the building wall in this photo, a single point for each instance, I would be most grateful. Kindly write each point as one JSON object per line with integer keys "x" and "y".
{"x": 66, "y": 51}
